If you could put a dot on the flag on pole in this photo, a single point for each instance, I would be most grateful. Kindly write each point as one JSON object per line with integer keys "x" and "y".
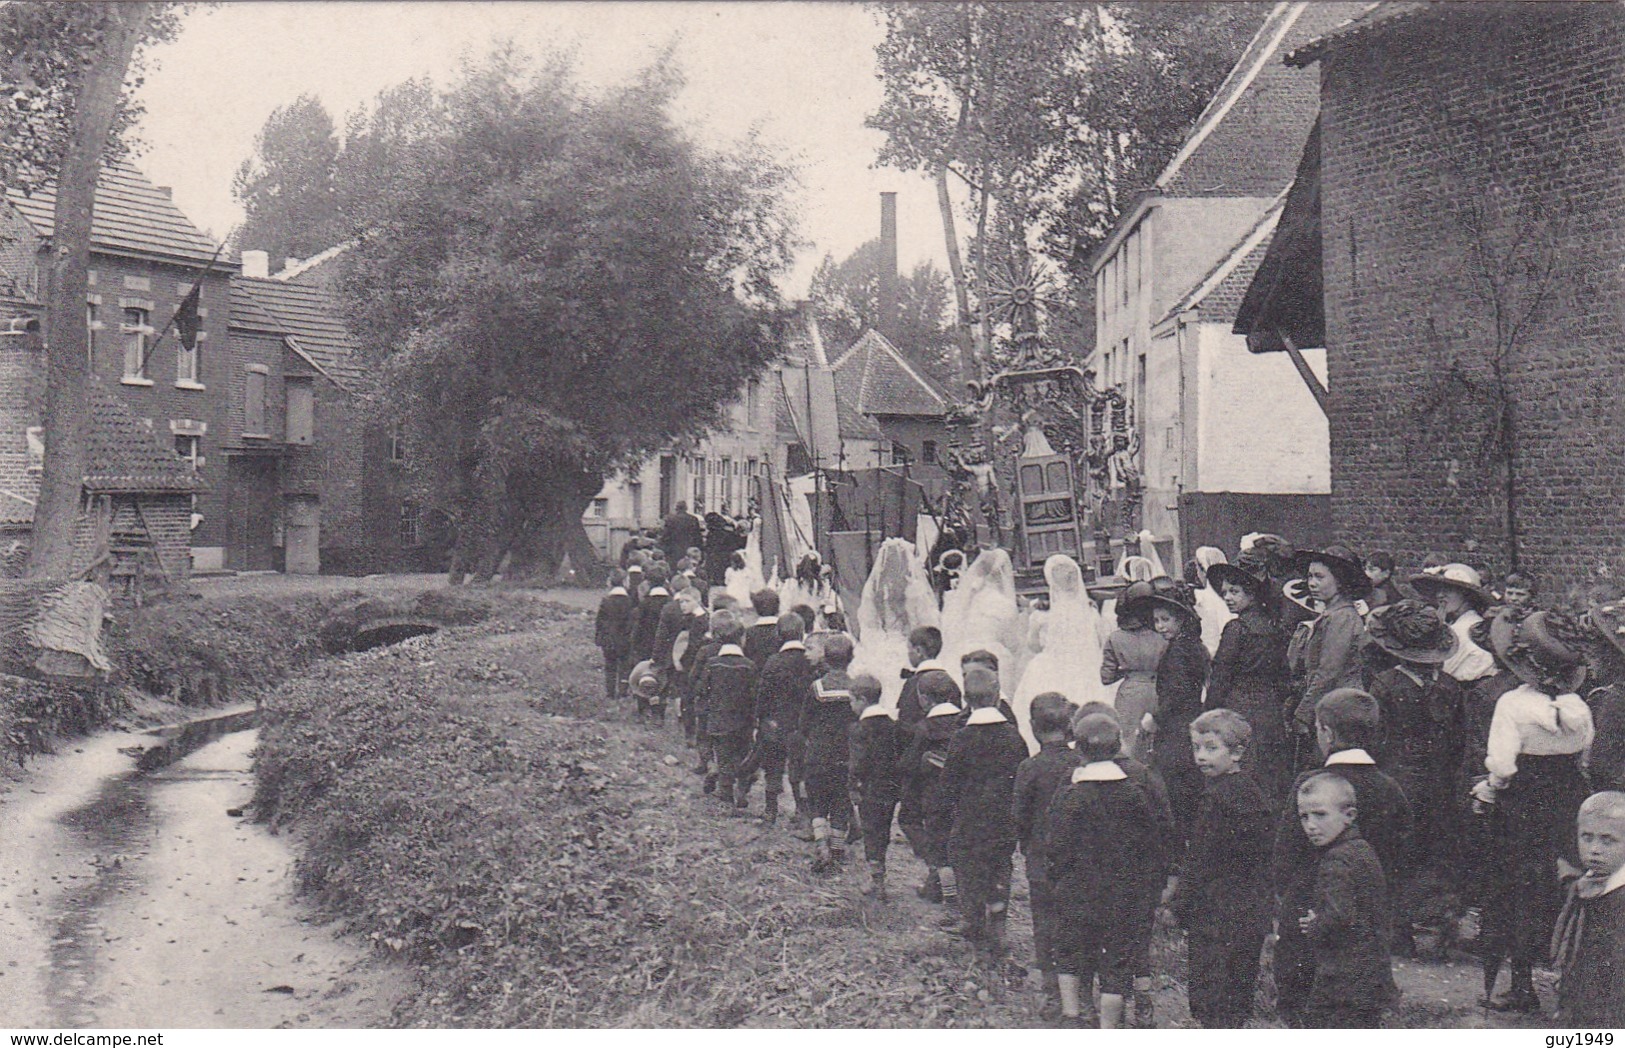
{"x": 187, "y": 320}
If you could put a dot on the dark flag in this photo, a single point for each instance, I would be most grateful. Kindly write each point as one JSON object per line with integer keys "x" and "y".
{"x": 187, "y": 321}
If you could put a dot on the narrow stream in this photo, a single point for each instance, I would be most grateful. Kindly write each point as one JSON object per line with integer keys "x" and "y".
{"x": 135, "y": 899}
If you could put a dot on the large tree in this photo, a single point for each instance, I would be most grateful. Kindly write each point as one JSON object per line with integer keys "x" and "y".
{"x": 67, "y": 71}
{"x": 557, "y": 286}
{"x": 287, "y": 190}
{"x": 1045, "y": 117}
{"x": 846, "y": 300}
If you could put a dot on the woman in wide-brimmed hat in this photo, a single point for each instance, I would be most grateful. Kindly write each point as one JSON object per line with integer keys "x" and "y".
{"x": 1130, "y": 656}
{"x": 1458, "y": 591}
{"x": 1331, "y": 655}
{"x": 1421, "y": 721}
{"x": 1181, "y": 676}
{"x": 1535, "y": 785}
{"x": 1249, "y": 670}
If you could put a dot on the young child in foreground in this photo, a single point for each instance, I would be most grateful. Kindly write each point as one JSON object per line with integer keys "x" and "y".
{"x": 977, "y": 787}
{"x": 1104, "y": 865}
{"x": 826, "y": 719}
{"x": 1590, "y": 942}
{"x": 1038, "y": 779}
{"x": 873, "y": 777}
{"x": 1222, "y": 896}
{"x": 1347, "y": 920}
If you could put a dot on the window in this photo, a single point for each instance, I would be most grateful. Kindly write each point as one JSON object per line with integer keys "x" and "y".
{"x": 301, "y": 411}
{"x": 93, "y": 324}
{"x": 899, "y": 455}
{"x": 752, "y": 467}
{"x": 397, "y": 442}
{"x": 186, "y": 360}
{"x": 599, "y": 508}
{"x": 410, "y": 532}
{"x": 137, "y": 335}
{"x": 254, "y": 403}
{"x": 753, "y": 401}
{"x": 727, "y": 482}
{"x": 928, "y": 451}
{"x": 189, "y": 447}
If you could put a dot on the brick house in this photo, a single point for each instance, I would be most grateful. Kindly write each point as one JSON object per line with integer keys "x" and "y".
{"x": 1167, "y": 282}
{"x": 312, "y": 483}
{"x": 145, "y": 258}
{"x": 893, "y": 407}
{"x": 1461, "y": 214}
{"x": 138, "y": 493}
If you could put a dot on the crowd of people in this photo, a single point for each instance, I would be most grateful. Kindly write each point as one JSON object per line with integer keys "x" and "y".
{"x": 1363, "y": 763}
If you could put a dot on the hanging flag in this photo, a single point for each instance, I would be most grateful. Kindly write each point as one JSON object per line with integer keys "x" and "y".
{"x": 187, "y": 321}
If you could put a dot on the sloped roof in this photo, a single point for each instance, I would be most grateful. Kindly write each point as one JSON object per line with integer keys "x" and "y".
{"x": 1246, "y": 142}
{"x": 132, "y": 216}
{"x": 1375, "y": 15}
{"x": 853, "y": 423}
{"x": 303, "y": 269}
{"x": 246, "y": 311}
{"x": 1218, "y": 295}
{"x": 310, "y": 318}
{"x": 122, "y": 456}
{"x": 879, "y": 379}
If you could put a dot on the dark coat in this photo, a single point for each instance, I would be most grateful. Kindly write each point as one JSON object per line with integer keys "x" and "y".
{"x": 612, "y": 631}
{"x": 727, "y": 692}
{"x": 1350, "y": 934}
{"x": 978, "y": 785}
{"x": 1105, "y": 857}
{"x": 1249, "y": 676}
{"x": 1591, "y": 993}
{"x": 911, "y": 708}
{"x": 1038, "y": 779}
{"x": 1156, "y": 791}
{"x": 1423, "y": 725}
{"x": 1224, "y": 886}
{"x": 1181, "y": 675}
{"x": 679, "y": 532}
{"x": 1384, "y": 821}
{"x": 782, "y": 692}
{"x": 826, "y": 722}
{"x": 646, "y": 623}
{"x": 762, "y": 642}
{"x": 872, "y": 763}
{"x": 1606, "y": 764}
{"x": 673, "y": 620}
{"x": 920, "y": 770}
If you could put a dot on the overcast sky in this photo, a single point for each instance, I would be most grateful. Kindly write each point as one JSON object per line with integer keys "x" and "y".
{"x": 804, "y": 72}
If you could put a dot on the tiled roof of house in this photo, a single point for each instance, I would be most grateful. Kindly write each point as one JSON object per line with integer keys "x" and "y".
{"x": 1246, "y": 142}
{"x": 854, "y": 424}
{"x": 311, "y": 319}
{"x": 1375, "y": 15}
{"x": 123, "y": 456}
{"x": 1218, "y": 295}
{"x": 132, "y": 215}
{"x": 878, "y": 379}
{"x": 246, "y": 311}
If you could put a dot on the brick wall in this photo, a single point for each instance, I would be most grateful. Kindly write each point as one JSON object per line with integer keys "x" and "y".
{"x": 1445, "y": 138}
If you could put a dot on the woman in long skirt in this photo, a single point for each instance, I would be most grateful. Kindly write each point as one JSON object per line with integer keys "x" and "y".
{"x": 1131, "y": 655}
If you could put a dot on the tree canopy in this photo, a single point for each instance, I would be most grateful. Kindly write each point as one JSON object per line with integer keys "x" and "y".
{"x": 287, "y": 189}
{"x": 846, "y": 300}
{"x": 556, "y": 286}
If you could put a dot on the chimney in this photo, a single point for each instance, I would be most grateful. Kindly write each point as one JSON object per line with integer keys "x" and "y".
{"x": 257, "y": 264}
{"x": 289, "y": 262}
{"x": 887, "y": 322}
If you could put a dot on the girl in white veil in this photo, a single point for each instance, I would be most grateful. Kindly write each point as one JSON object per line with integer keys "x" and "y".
{"x": 1069, "y": 661}
{"x": 1210, "y": 607}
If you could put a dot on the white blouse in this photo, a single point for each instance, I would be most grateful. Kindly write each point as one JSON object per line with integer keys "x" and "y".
{"x": 1469, "y": 661}
{"x": 1529, "y": 721}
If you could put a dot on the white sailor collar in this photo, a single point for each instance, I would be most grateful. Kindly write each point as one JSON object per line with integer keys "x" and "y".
{"x": 731, "y": 649}
{"x": 1099, "y": 771}
{"x": 1354, "y": 756}
{"x": 660, "y": 591}
{"x": 930, "y": 664}
{"x": 617, "y": 591}
{"x": 792, "y": 645}
{"x": 985, "y": 715}
{"x": 943, "y": 709}
{"x": 877, "y": 710}
{"x": 1615, "y": 882}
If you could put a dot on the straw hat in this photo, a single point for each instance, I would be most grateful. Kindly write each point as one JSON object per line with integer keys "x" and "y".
{"x": 1411, "y": 632}
{"x": 1528, "y": 645}
{"x": 1461, "y": 577}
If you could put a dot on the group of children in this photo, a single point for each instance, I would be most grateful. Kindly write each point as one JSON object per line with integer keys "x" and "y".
{"x": 1204, "y": 825}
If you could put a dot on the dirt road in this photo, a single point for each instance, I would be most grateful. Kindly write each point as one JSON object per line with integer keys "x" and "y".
{"x": 135, "y": 900}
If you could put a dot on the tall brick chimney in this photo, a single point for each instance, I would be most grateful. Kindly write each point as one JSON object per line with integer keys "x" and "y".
{"x": 257, "y": 264}
{"x": 887, "y": 321}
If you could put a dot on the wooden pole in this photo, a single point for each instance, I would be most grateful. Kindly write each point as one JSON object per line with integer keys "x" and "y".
{"x": 1317, "y": 390}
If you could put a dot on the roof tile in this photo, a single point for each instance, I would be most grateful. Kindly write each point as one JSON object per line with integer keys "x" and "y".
{"x": 131, "y": 215}
{"x": 311, "y": 318}
{"x": 887, "y": 382}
